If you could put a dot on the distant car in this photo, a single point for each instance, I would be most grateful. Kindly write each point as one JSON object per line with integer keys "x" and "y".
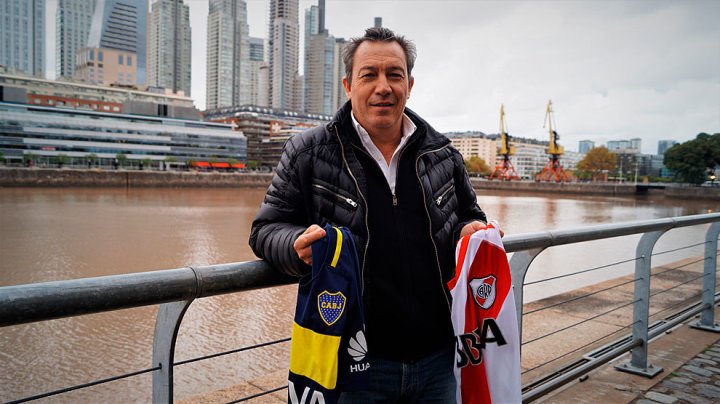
{"x": 714, "y": 184}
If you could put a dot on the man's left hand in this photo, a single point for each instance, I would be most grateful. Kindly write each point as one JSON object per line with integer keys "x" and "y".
{"x": 474, "y": 226}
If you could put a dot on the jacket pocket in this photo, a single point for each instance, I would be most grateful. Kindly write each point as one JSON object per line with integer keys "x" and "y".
{"x": 444, "y": 194}
{"x": 335, "y": 196}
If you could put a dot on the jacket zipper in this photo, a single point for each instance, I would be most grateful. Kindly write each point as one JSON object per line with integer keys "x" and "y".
{"x": 427, "y": 211}
{"x": 439, "y": 199}
{"x": 367, "y": 225}
{"x": 341, "y": 197}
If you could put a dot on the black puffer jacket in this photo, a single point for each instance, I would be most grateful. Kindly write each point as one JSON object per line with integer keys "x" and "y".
{"x": 319, "y": 180}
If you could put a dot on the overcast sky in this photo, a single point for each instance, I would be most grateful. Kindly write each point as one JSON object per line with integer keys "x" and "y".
{"x": 614, "y": 69}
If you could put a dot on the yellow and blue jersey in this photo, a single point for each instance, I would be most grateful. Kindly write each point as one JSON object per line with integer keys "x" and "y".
{"x": 328, "y": 350}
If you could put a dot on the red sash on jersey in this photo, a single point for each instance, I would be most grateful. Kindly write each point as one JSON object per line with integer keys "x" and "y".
{"x": 487, "y": 366}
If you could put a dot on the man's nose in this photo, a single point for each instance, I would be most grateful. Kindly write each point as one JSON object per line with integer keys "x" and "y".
{"x": 382, "y": 86}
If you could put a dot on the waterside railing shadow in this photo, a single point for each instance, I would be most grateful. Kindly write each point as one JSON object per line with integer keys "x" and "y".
{"x": 175, "y": 290}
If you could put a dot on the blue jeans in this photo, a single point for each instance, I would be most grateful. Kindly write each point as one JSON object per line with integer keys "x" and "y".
{"x": 428, "y": 380}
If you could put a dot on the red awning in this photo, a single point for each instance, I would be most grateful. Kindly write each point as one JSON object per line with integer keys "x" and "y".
{"x": 220, "y": 165}
{"x": 238, "y": 165}
{"x": 200, "y": 164}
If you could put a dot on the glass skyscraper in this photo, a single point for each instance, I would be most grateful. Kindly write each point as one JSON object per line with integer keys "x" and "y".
{"x": 22, "y": 36}
{"x": 72, "y": 28}
{"x": 170, "y": 49}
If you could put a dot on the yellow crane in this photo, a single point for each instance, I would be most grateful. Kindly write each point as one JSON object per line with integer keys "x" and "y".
{"x": 553, "y": 170}
{"x": 504, "y": 170}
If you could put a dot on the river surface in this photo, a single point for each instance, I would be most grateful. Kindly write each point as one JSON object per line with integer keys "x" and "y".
{"x": 56, "y": 234}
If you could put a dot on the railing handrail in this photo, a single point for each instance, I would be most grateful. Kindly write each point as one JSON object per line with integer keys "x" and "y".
{"x": 57, "y": 299}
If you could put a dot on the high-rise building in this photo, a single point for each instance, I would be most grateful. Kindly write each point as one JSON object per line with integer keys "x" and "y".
{"x": 340, "y": 97}
{"x": 636, "y": 143}
{"x": 319, "y": 63}
{"x": 663, "y": 145}
{"x": 72, "y": 28}
{"x": 378, "y": 22}
{"x": 258, "y": 73}
{"x": 120, "y": 27}
{"x": 169, "y": 48}
{"x": 228, "y": 55}
{"x": 22, "y": 29}
{"x": 585, "y": 146}
{"x": 283, "y": 43}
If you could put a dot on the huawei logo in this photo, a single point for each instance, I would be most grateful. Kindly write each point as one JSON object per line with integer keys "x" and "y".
{"x": 358, "y": 346}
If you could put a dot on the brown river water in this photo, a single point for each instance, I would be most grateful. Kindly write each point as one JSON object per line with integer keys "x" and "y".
{"x": 56, "y": 234}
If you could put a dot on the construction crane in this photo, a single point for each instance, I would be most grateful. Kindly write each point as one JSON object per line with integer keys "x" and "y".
{"x": 553, "y": 170}
{"x": 504, "y": 170}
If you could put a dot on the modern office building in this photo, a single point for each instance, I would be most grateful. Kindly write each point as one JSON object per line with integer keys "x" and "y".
{"x": 266, "y": 129}
{"x": 44, "y": 134}
{"x": 169, "y": 48}
{"x": 340, "y": 97}
{"x": 67, "y": 94}
{"x": 119, "y": 26}
{"x": 585, "y": 146}
{"x": 22, "y": 36}
{"x": 72, "y": 29}
{"x": 228, "y": 55}
{"x": 663, "y": 145}
{"x": 624, "y": 146}
{"x": 258, "y": 73}
{"x": 475, "y": 144}
{"x": 283, "y": 44}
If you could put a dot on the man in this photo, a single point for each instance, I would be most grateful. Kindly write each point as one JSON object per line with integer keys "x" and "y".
{"x": 402, "y": 189}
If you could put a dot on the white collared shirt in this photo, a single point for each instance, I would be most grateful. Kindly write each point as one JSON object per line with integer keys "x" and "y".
{"x": 389, "y": 170}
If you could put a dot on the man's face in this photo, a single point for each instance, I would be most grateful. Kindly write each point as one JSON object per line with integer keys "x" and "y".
{"x": 380, "y": 86}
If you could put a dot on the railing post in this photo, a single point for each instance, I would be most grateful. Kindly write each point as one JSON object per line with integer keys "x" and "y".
{"x": 519, "y": 264}
{"x": 707, "y": 317}
{"x": 166, "y": 329}
{"x": 641, "y": 309}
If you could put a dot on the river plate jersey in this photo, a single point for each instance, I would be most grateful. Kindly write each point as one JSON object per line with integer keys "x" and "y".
{"x": 328, "y": 348}
{"x": 484, "y": 317}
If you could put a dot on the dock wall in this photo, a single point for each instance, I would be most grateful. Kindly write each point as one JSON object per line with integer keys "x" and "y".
{"x": 48, "y": 177}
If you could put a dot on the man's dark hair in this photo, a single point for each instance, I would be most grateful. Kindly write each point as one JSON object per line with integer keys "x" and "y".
{"x": 377, "y": 34}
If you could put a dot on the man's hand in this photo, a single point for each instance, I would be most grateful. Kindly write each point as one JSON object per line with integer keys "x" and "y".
{"x": 304, "y": 241}
{"x": 474, "y": 226}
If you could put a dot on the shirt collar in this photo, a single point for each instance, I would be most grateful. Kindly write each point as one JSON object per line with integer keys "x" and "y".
{"x": 408, "y": 128}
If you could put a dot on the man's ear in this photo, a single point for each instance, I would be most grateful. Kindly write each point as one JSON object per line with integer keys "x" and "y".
{"x": 410, "y": 85}
{"x": 346, "y": 84}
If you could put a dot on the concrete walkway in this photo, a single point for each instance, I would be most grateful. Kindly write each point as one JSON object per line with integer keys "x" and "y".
{"x": 690, "y": 359}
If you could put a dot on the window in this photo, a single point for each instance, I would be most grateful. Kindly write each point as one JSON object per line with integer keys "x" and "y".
{"x": 120, "y": 59}
{"x": 129, "y": 60}
{"x": 91, "y": 55}
{"x": 100, "y": 56}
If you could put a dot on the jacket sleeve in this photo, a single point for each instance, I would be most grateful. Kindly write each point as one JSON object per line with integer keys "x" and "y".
{"x": 468, "y": 208}
{"x": 281, "y": 218}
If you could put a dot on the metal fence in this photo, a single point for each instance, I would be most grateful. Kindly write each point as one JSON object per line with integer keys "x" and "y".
{"x": 174, "y": 290}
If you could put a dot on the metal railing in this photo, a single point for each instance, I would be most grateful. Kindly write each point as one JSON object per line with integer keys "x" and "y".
{"x": 176, "y": 289}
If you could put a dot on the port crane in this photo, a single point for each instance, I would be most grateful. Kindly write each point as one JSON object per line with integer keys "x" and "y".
{"x": 553, "y": 170}
{"x": 504, "y": 170}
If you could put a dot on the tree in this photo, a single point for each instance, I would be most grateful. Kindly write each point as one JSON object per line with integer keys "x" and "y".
{"x": 91, "y": 159}
{"x": 478, "y": 166}
{"x": 61, "y": 160}
{"x": 121, "y": 159}
{"x": 597, "y": 163}
{"x": 693, "y": 159}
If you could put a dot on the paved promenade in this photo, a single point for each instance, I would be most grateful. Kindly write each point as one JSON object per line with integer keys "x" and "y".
{"x": 690, "y": 359}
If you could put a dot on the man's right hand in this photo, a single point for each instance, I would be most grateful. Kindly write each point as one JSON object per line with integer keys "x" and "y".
{"x": 302, "y": 244}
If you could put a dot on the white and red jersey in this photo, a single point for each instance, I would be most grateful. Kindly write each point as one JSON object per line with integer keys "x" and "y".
{"x": 487, "y": 366}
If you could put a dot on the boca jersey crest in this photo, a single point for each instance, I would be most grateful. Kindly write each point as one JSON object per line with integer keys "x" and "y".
{"x": 331, "y": 306}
